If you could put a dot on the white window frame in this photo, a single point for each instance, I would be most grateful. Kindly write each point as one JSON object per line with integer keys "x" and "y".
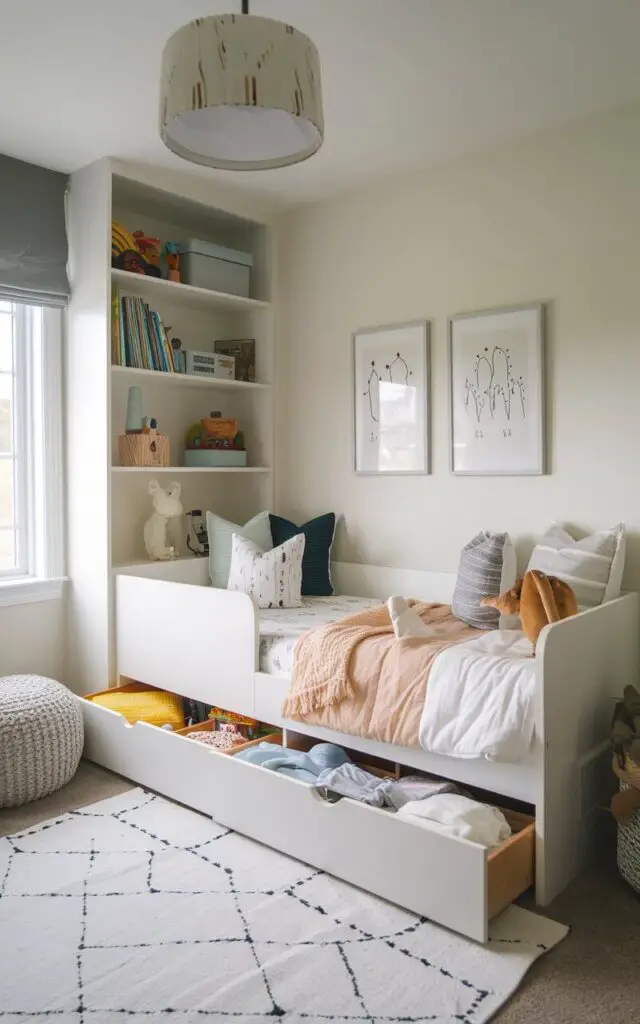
{"x": 37, "y": 446}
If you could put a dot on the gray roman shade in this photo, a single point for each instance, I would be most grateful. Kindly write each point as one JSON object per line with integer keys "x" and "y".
{"x": 33, "y": 238}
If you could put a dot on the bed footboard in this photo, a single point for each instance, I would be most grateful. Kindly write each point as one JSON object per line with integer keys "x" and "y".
{"x": 584, "y": 664}
{"x": 197, "y": 641}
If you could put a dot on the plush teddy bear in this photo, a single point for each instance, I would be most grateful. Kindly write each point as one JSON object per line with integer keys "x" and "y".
{"x": 166, "y": 506}
{"x": 538, "y": 599}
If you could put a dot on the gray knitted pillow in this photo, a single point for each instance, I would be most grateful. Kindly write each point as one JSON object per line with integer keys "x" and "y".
{"x": 487, "y": 568}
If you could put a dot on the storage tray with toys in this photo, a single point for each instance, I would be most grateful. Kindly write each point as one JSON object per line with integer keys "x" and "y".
{"x": 218, "y": 728}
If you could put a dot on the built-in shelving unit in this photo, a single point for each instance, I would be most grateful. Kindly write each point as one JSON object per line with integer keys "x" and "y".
{"x": 108, "y": 504}
{"x": 137, "y": 376}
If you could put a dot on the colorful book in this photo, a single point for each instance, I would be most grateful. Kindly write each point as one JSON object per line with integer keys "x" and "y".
{"x": 115, "y": 328}
{"x": 165, "y": 344}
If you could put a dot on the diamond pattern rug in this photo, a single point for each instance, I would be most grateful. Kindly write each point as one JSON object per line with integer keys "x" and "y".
{"x": 136, "y": 909}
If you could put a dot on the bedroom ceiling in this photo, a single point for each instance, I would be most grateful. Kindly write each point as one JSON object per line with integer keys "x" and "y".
{"x": 407, "y": 83}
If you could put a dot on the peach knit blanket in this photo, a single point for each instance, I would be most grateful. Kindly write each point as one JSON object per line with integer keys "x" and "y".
{"x": 355, "y": 677}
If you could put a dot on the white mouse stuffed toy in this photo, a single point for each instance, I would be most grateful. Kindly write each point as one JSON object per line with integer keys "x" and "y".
{"x": 166, "y": 506}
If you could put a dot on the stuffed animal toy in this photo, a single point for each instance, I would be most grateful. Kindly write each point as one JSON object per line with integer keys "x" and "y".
{"x": 538, "y": 599}
{"x": 166, "y": 506}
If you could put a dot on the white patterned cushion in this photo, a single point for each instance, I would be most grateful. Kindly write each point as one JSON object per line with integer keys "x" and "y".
{"x": 272, "y": 578}
{"x": 592, "y": 566}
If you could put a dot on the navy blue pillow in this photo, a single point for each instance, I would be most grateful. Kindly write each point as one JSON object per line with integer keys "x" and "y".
{"x": 318, "y": 538}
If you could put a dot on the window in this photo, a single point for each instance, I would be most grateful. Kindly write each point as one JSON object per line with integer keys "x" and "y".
{"x": 31, "y": 547}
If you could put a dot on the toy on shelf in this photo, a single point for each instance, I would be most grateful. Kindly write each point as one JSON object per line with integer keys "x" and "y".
{"x": 150, "y": 250}
{"x": 166, "y": 506}
{"x": 197, "y": 537}
{"x": 215, "y": 442}
{"x": 172, "y": 259}
{"x": 178, "y": 354}
{"x": 125, "y": 254}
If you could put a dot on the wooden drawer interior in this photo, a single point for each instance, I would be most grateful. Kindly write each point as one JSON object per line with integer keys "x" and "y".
{"x": 510, "y": 866}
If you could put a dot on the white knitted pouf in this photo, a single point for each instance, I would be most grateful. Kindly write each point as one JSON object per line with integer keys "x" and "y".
{"x": 41, "y": 738}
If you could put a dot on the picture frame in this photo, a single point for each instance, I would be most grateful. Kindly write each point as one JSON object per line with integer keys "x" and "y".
{"x": 243, "y": 351}
{"x": 496, "y": 392}
{"x": 391, "y": 399}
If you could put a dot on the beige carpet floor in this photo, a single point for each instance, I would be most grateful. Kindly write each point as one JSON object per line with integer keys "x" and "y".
{"x": 593, "y": 977}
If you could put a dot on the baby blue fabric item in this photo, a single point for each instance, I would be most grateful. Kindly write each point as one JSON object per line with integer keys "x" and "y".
{"x": 298, "y": 764}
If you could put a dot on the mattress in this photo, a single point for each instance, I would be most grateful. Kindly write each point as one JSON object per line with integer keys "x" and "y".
{"x": 281, "y": 627}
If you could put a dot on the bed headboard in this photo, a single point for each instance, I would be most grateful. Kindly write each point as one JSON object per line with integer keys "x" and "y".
{"x": 383, "y": 581}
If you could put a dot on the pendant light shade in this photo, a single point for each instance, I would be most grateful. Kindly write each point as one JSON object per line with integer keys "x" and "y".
{"x": 241, "y": 93}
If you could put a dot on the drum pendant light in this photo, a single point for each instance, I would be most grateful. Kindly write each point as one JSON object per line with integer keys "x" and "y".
{"x": 241, "y": 93}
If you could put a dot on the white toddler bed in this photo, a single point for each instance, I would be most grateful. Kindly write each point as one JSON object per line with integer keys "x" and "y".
{"x": 179, "y": 634}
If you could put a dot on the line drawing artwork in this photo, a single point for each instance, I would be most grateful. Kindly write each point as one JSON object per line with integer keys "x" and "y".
{"x": 403, "y": 372}
{"x": 493, "y": 390}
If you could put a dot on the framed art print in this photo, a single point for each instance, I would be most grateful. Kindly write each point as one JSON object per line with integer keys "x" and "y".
{"x": 391, "y": 398}
{"x": 496, "y": 374}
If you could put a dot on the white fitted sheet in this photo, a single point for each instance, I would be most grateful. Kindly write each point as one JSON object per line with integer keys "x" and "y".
{"x": 281, "y": 627}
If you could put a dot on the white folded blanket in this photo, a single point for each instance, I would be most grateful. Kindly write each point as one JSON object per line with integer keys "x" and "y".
{"x": 459, "y": 816}
{"x": 480, "y": 698}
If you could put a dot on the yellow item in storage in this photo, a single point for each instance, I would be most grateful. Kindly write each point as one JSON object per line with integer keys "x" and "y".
{"x": 154, "y": 706}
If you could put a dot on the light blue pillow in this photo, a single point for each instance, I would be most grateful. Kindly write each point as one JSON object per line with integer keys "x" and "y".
{"x": 220, "y": 532}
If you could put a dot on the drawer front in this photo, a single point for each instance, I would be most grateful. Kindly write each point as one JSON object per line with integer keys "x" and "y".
{"x": 429, "y": 873}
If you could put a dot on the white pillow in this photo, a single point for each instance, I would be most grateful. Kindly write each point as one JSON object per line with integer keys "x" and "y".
{"x": 272, "y": 578}
{"x": 592, "y": 567}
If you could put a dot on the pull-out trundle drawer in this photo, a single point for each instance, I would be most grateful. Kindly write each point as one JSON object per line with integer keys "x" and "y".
{"x": 449, "y": 880}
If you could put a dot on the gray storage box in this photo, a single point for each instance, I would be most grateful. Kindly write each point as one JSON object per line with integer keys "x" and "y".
{"x": 206, "y": 265}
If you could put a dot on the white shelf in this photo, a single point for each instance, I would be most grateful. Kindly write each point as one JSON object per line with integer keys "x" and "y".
{"x": 190, "y": 469}
{"x": 188, "y": 379}
{"x": 158, "y": 288}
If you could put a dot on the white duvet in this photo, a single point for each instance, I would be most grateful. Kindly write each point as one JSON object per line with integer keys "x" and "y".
{"x": 480, "y": 699}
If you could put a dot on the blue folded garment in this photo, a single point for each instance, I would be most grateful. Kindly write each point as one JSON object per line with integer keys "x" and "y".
{"x": 298, "y": 764}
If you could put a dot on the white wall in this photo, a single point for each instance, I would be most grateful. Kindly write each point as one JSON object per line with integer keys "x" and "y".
{"x": 555, "y": 219}
{"x": 33, "y": 639}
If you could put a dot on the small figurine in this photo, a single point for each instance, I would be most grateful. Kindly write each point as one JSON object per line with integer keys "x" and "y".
{"x": 172, "y": 259}
{"x": 166, "y": 506}
{"x": 197, "y": 538}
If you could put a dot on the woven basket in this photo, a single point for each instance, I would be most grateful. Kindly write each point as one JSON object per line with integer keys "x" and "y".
{"x": 629, "y": 847}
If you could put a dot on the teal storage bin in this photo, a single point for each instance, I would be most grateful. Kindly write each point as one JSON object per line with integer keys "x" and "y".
{"x": 214, "y": 457}
{"x": 206, "y": 265}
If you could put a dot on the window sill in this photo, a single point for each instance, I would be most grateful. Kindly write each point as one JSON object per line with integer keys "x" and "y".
{"x": 31, "y": 591}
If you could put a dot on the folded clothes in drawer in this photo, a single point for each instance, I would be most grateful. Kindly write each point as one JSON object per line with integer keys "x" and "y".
{"x": 353, "y": 781}
{"x": 421, "y": 799}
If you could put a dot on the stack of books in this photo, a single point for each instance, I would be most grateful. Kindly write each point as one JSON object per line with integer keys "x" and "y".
{"x": 139, "y": 338}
